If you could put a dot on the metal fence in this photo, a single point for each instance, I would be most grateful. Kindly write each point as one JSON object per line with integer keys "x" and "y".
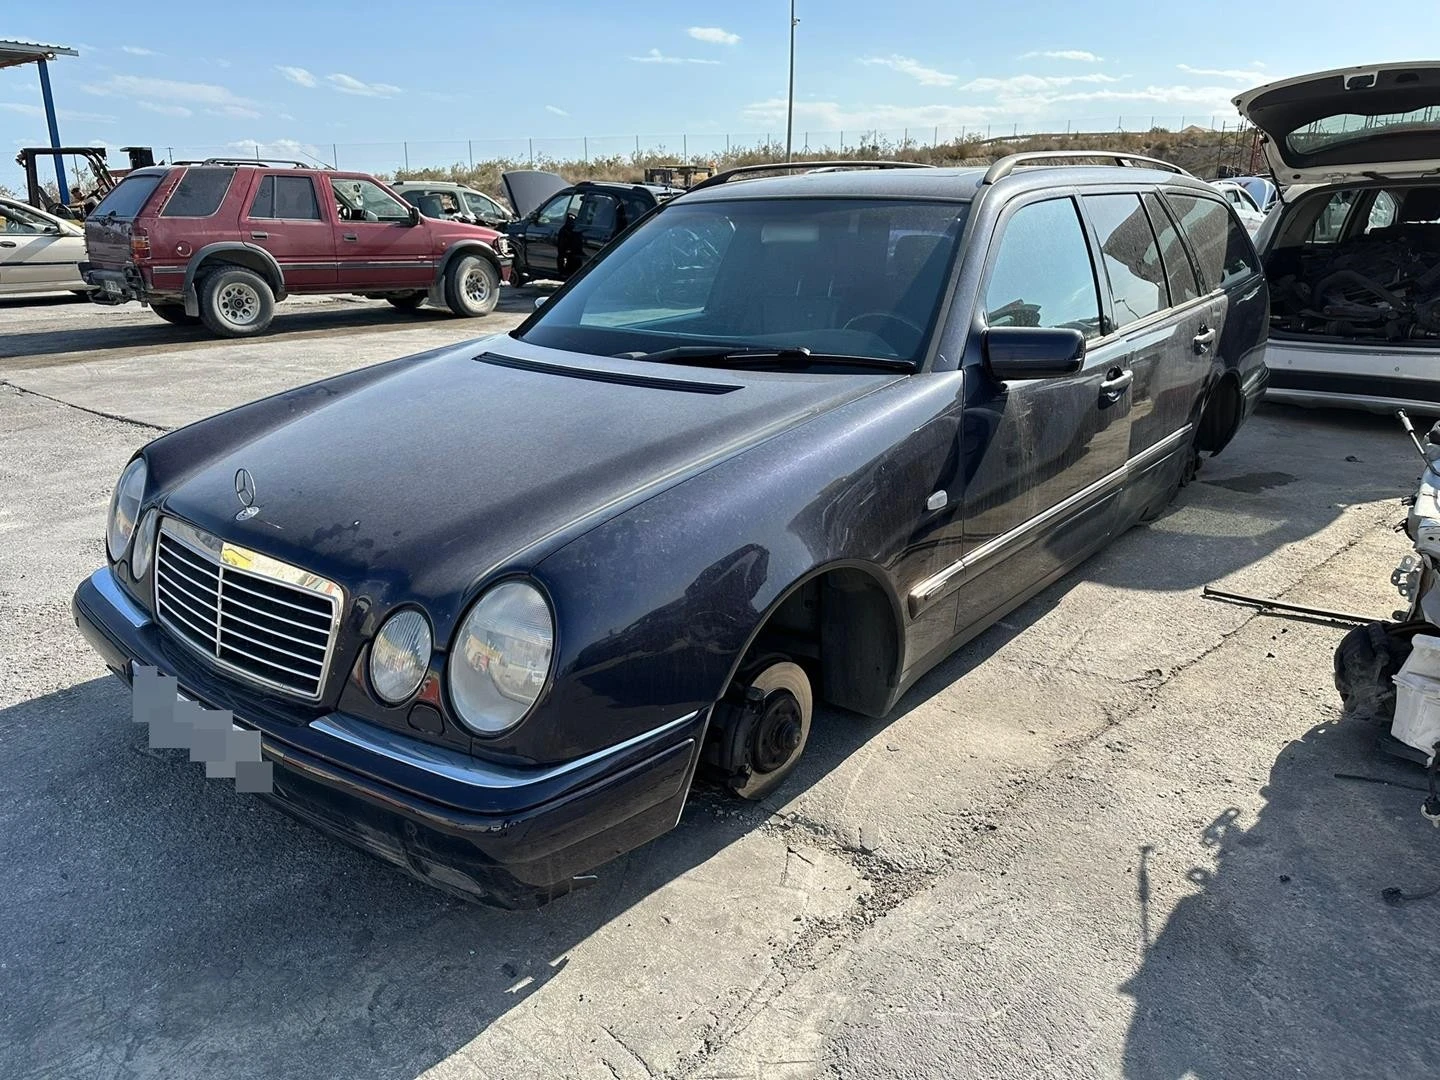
{"x": 387, "y": 157}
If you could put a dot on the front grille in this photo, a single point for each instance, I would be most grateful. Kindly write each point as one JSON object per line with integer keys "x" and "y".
{"x": 261, "y": 619}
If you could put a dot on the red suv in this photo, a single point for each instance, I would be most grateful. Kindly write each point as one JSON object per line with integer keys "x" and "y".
{"x": 220, "y": 241}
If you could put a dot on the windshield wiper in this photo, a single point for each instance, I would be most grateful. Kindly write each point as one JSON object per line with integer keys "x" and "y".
{"x": 761, "y": 355}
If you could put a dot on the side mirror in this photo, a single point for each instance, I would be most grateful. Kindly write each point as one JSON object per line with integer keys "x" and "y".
{"x": 52, "y": 230}
{"x": 540, "y": 302}
{"x": 414, "y": 215}
{"x": 1033, "y": 352}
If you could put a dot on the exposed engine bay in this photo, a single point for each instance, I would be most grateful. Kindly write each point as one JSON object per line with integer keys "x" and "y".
{"x": 1377, "y": 282}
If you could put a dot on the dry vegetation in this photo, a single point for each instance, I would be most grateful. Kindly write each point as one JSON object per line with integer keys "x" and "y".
{"x": 1199, "y": 150}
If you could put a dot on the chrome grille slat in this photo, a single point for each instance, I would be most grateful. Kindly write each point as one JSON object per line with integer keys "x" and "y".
{"x": 239, "y": 585}
{"x": 226, "y": 632}
{"x": 173, "y": 585}
{"x": 263, "y": 620}
{"x": 319, "y": 646}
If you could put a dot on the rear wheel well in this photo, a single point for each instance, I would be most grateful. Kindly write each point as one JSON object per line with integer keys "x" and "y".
{"x": 1221, "y": 417}
{"x": 841, "y": 626}
{"x": 249, "y": 261}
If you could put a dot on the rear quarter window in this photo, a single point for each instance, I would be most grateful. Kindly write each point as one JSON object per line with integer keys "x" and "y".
{"x": 129, "y": 198}
{"x": 1221, "y": 245}
{"x": 199, "y": 193}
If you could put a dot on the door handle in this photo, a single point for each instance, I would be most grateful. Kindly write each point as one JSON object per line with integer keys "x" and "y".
{"x": 7, "y": 243}
{"x": 350, "y": 236}
{"x": 1204, "y": 339}
{"x": 1116, "y": 380}
{"x": 259, "y": 236}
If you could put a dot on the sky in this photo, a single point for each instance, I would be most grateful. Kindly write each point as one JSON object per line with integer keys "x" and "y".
{"x": 379, "y": 84}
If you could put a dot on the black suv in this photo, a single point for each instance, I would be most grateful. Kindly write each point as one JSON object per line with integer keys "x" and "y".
{"x": 562, "y": 226}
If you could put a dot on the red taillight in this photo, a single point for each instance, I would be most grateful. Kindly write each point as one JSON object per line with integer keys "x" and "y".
{"x": 139, "y": 245}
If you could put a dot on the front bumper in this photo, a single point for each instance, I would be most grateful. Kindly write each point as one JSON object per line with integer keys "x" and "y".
{"x": 503, "y": 835}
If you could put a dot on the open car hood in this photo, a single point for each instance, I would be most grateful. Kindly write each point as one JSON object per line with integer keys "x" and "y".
{"x": 1350, "y": 124}
{"x": 529, "y": 189}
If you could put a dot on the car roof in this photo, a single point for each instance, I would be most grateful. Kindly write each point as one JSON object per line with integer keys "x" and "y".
{"x": 434, "y": 185}
{"x": 960, "y": 184}
{"x": 620, "y": 185}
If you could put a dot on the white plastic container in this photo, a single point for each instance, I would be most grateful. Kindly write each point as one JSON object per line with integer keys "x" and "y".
{"x": 1417, "y": 711}
{"x": 1424, "y": 658}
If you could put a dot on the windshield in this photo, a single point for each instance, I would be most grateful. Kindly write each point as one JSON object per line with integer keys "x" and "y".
{"x": 839, "y": 277}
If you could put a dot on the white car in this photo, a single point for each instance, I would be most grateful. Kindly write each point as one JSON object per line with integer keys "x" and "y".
{"x": 1250, "y": 215}
{"x": 38, "y": 251}
{"x": 1352, "y": 251}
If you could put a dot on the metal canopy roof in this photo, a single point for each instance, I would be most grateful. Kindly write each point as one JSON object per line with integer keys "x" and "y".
{"x": 15, "y": 53}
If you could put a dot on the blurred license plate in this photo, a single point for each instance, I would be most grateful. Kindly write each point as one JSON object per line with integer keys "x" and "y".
{"x": 112, "y": 288}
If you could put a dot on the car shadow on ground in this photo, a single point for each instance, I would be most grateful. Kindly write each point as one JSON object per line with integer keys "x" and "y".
{"x": 349, "y": 315}
{"x": 1243, "y": 980}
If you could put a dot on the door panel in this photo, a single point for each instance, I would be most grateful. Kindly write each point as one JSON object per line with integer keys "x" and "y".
{"x": 1044, "y": 459}
{"x": 30, "y": 262}
{"x": 376, "y": 247}
{"x": 285, "y": 215}
{"x": 542, "y": 234}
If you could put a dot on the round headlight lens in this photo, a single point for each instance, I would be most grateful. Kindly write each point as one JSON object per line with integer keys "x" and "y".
{"x": 501, "y": 657}
{"x": 144, "y": 549}
{"x": 400, "y": 656}
{"x": 125, "y": 508}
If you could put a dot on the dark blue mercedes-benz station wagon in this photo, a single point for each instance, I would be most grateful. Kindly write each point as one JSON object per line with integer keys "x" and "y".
{"x": 787, "y": 440}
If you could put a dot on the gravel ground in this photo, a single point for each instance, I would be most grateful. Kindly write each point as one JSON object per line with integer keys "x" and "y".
{"x": 1105, "y": 839}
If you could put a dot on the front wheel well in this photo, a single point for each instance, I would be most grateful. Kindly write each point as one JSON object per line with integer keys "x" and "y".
{"x": 841, "y": 626}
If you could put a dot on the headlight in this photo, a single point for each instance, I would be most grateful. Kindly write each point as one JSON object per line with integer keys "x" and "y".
{"x": 400, "y": 655}
{"x": 501, "y": 657}
{"x": 144, "y": 549}
{"x": 125, "y": 508}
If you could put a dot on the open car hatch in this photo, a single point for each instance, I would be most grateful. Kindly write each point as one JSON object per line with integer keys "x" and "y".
{"x": 1350, "y": 124}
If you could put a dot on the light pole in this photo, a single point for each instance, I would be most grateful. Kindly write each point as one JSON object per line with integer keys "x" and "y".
{"x": 790, "y": 106}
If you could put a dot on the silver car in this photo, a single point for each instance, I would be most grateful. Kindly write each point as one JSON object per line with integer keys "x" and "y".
{"x": 38, "y": 252}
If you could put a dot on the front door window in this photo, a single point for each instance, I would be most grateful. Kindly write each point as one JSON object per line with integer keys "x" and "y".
{"x": 362, "y": 200}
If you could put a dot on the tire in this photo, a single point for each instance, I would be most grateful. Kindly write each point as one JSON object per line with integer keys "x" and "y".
{"x": 175, "y": 313}
{"x": 1366, "y": 663}
{"x": 235, "y": 302}
{"x": 407, "y": 302}
{"x": 767, "y": 742}
{"x": 472, "y": 286}
{"x": 518, "y": 278}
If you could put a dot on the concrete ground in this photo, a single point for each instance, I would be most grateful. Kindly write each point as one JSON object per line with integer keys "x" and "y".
{"x": 1105, "y": 839}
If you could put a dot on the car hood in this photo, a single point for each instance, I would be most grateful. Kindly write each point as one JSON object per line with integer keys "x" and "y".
{"x": 1349, "y": 124}
{"x": 420, "y": 483}
{"x": 528, "y": 189}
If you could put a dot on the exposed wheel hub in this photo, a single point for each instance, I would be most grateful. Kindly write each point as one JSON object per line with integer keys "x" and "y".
{"x": 776, "y": 733}
{"x": 239, "y": 303}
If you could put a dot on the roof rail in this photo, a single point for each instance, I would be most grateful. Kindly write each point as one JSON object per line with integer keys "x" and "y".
{"x": 1006, "y": 165}
{"x": 263, "y": 163}
{"x": 741, "y": 171}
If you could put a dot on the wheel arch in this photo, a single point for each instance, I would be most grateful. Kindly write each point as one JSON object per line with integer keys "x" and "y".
{"x": 459, "y": 249}
{"x": 232, "y": 252}
{"x": 858, "y": 628}
{"x": 1221, "y": 414}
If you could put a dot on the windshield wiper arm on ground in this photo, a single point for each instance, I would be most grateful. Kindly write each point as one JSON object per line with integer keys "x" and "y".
{"x": 760, "y": 355}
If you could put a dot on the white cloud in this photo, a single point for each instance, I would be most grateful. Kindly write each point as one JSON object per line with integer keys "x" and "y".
{"x": 286, "y": 116}
{"x": 1078, "y": 55}
{"x": 136, "y": 50}
{"x": 165, "y": 110}
{"x": 222, "y": 63}
{"x": 276, "y": 148}
{"x": 655, "y": 56}
{"x": 556, "y": 110}
{"x": 348, "y": 84}
{"x": 1029, "y": 84}
{"x": 137, "y": 86}
{"x": 1200, "y": 101}
{"x": 298, "y": 75}
{"x": 1226, "y": 73}
{"x": 26, "y": 109}
{"x": 907, "y": 66}
{"x": 714, "y": 35}
{"x": 240, "y": 112}
{"x": 830, "y": 116}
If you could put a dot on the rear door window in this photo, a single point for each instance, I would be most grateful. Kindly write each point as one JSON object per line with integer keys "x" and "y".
{"x": 1131, "y": 256}
{"x": 1042, "y": 274}
{"x": 1179, "y": 274}
{"x": 1221, "y": 245}
{"x": 199, "y": 193}
{"x": 288, "y": 197}
{"x": 129, "y": 197}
